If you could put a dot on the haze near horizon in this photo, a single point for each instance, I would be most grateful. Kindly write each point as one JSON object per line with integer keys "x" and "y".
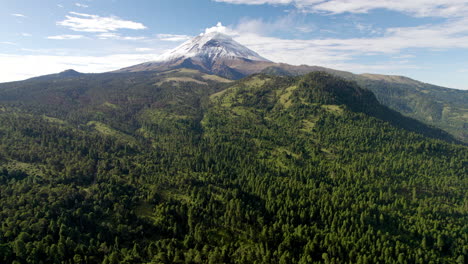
{"x": 420, "y": 40}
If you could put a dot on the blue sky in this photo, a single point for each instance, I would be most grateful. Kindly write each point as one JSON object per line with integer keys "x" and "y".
{"x": 423, "y": 39}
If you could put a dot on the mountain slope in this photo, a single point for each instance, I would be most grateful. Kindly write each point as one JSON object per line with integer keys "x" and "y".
{"x": 218, "y": 54}
{"x": 441, "y": 107}
{"x": 94, "y": 97}
{"x": 65, "y": 74}
{"x": 149, "y": 167}
{"x": 97, "y": 97}
{"x": 321, "y": 88}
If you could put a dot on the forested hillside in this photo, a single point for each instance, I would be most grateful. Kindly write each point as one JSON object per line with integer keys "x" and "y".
{"x": 437, "y": 106}
{"x": 185, "y": 167}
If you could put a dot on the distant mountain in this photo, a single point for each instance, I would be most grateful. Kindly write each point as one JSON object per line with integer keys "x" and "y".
{"x": 65, "y": 74}
{"x": 215, "y": 53}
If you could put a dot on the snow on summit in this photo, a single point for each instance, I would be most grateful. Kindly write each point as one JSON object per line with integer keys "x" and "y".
{"x": 212, "y": 45}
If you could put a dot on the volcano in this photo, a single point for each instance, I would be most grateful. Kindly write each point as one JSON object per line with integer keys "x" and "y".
{"x": 214, "y": 53}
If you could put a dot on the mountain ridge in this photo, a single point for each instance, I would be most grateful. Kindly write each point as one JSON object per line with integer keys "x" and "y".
{"x": 218, "y": 54}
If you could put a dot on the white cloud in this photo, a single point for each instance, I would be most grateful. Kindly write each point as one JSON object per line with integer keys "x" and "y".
{"x": 305, "y": 29}
{"x": 61, "y": 6}
{"x": 292, "y": 23}
{"x": 258, "y": 2}
{"x": 81, "y": 5}
{"x": 26, "y": 35}
{"x": 404, "y": 56}
{"x": 118, "y": 37}
{"x": 172, "y": 37}
{"x": 133, "y": 38}
{"x": 93, "y": 23}
{"x": 108, "y": 36}
{"x": 66, "y": 37}
{"x": 368, "y": 28}
{"x": 220, "y": 28}
{"x": 18, "y": 15}
{"x": 421, "y": 8}
{"x": 143, "y": 49}
{"x": 453, "y": 34}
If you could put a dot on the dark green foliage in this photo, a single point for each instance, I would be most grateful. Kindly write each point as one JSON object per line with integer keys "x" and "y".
{"x": 268, "y": 170}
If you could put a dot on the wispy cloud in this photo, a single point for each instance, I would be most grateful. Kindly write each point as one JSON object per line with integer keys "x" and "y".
{"x": 420, "y": 8}
{"x": 8, "y": 43}
{"x": 18, "y": 15}
{"x": 291, "y": 23}
{"x": 66, "y": 37}
{"x": 111, "y": 35}
{"x": 94, "y": 23}
{"x": 143, "y": 49}
{"x": 108, "y": 36}
{"x": 81, "y": 5}
{"x": 452, "y": 34}
{"x": 404, "y": 56}
{"x": 26, "y": 35}
{"x": 172, "y": 37}
{"x": 345, "y": 53}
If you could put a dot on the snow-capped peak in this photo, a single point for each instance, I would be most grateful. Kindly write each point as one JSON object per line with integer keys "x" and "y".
{"x": 211, "y": 46}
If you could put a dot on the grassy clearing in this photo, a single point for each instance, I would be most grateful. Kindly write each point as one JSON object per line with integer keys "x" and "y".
{"x": 218, "y": 94}
{"x": 215, "y": 78}
{"x": 282, "y": 151}
{"x": 307, "y": 125}
{"x": 185, "y": 70}
{"x": 285, "y": 97}
{"x": 157, "y": 116}
{"x": 30, "y": 169}
{"x": 241, "y": 111}
{"x": 174, "y": 195}
{"x": 109, "y": 131}
{"x": 110, "y": 105}
{"x": 53, "y": 120}
{"x": 336, "y": 109}
{"x": 179, "y": 80}
{"x": 256, "y": 82}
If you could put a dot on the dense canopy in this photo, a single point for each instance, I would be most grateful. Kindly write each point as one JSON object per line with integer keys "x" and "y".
{"x": 184, "y": 167}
